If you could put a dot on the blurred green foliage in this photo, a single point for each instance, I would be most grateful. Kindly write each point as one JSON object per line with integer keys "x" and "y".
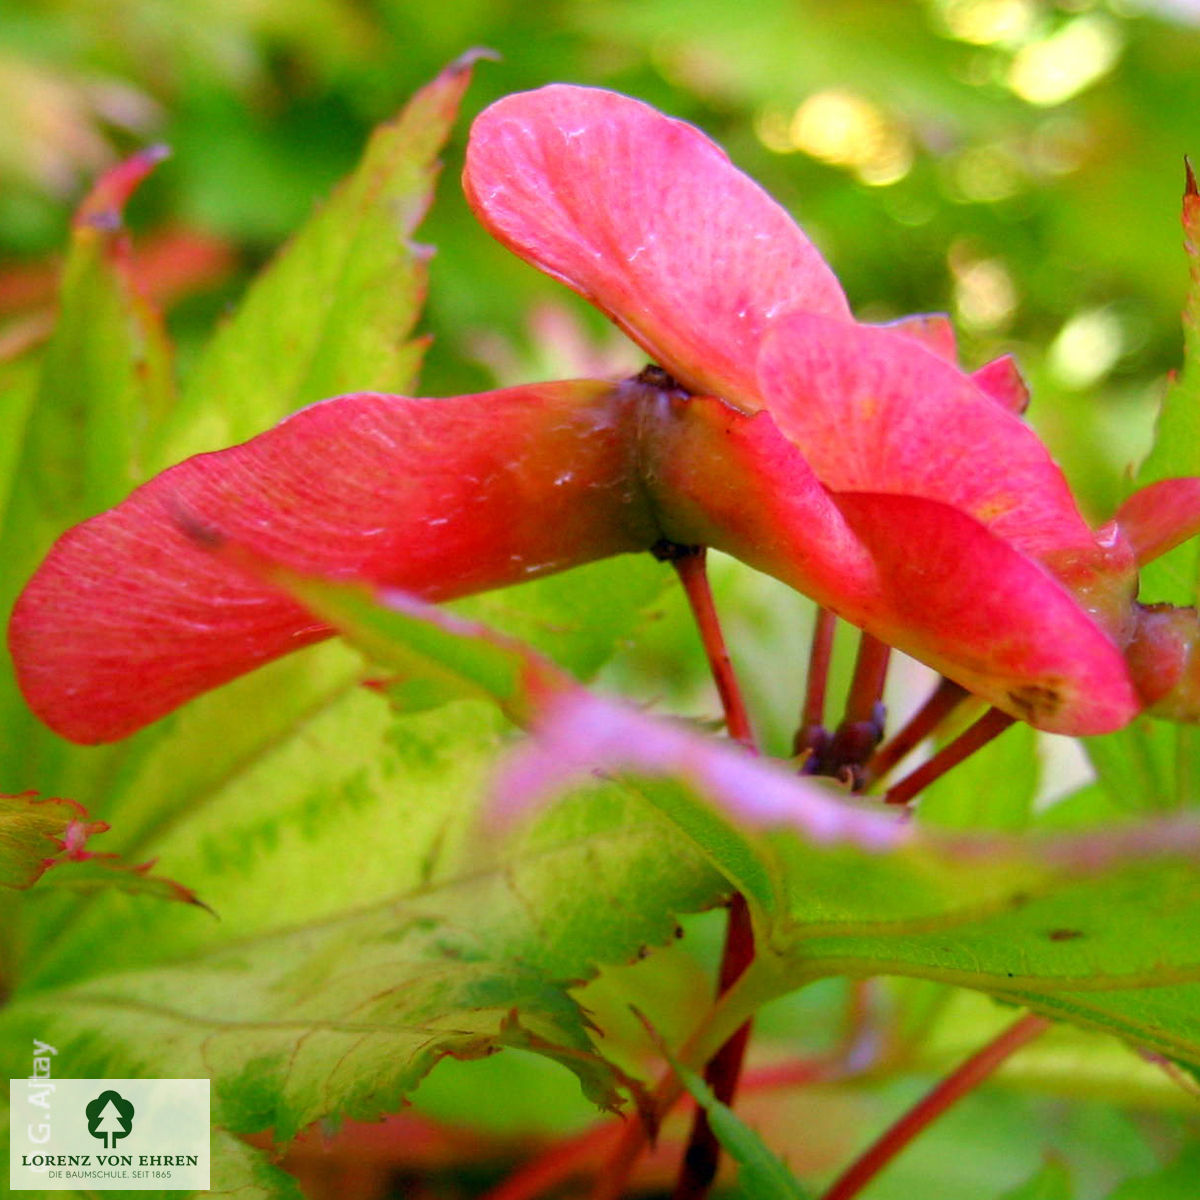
{"x": 1016, "y": 162}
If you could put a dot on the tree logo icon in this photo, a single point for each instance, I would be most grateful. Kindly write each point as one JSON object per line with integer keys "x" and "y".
{"x": 109, "y": 1117}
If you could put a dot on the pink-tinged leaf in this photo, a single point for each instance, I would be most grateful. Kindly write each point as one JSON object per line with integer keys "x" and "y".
{"x": 874, "y": 412}
{"x": 34, "y": 831}
{"x": 90, "y": 871}
{"x": 129, "y": 617}
{"x": 648, "y": 219}
{"x": 959, "y": 598}
{"x": 1159, "y": 517}
{"x": 105, "y": 203}
{"x": 576, "y": 731}
{"x": 40, "y": 835}
{"x": 1001, "y": 379}
{"x": 106, "y": 376}
{"x": 581, "y": 734}
{"x": 395, "y": 629}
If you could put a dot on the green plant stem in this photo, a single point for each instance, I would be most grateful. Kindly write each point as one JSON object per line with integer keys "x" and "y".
{"x": 990, "y": 725}
{"x": 964, "y": 1079}
{"x": 942, "y": 701}
{"x": 702, "y": 1155}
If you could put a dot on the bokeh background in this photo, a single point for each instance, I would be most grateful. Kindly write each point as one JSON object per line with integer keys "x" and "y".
{"x": 1017, "y": 163}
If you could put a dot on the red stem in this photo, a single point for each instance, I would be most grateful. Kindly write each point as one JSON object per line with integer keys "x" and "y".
{"x": 632, "y": 1137}
{"x": 559, "y": 1162}
{"x": 811, "y": 737}
{"x": 943, "y": 700}
{"x": 862, "y": 727}
{"x": 990, "y": 725}
{"x": 689, "y": 565}
{"x": 702, "y": 1155}
{"x": 870, "y": 673}
{"x": 950, "y": 1090}
{"x": 620, "y": 1141}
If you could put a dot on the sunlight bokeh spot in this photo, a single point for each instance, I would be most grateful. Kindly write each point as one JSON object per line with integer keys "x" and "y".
{"x": 985, "y": 296}
{"x": 989, "y": 22}
{"x": 848, "y": 130}
{"x": 1052, "y": 70}
{"x": 1087, "y": 347}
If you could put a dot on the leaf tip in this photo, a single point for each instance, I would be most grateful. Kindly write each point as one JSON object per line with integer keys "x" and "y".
{"x": 466, "y": 60}
{"x": 104, "y": 205}
{"x": 1191, "y": 206}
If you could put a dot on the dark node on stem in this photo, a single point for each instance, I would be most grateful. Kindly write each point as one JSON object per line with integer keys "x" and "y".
{"x": 811, "y": 743}
{"x": 1189, "y": 183}
{"x": 942, "y": 702}
{"x": 852, "y": 745}
{"x": 652, "y": 375}
{"x": 1064, "y": 935}
{"x": 811, "y": 747}
{"x": 844, "y": 754}
{"x": 667, "y": 551}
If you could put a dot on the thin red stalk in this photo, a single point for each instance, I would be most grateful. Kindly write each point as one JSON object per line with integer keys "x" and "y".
{"x": 861, "y": 728}
{"x": 950, "y": 1090}
{"x": 870, "y": 673}
{"x": 633, "y": 1135}
{"x": 800, "y": 1072}
{"x": 582, "y": 1152}
{"x": 571, "y": 1156}
{"x": 690, "y": 567}
{"x": 990, "y": 725}
{"x": 703, "y": 1152}
{"x": 943, "y": 700}
{"x": 811, "y": 735}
